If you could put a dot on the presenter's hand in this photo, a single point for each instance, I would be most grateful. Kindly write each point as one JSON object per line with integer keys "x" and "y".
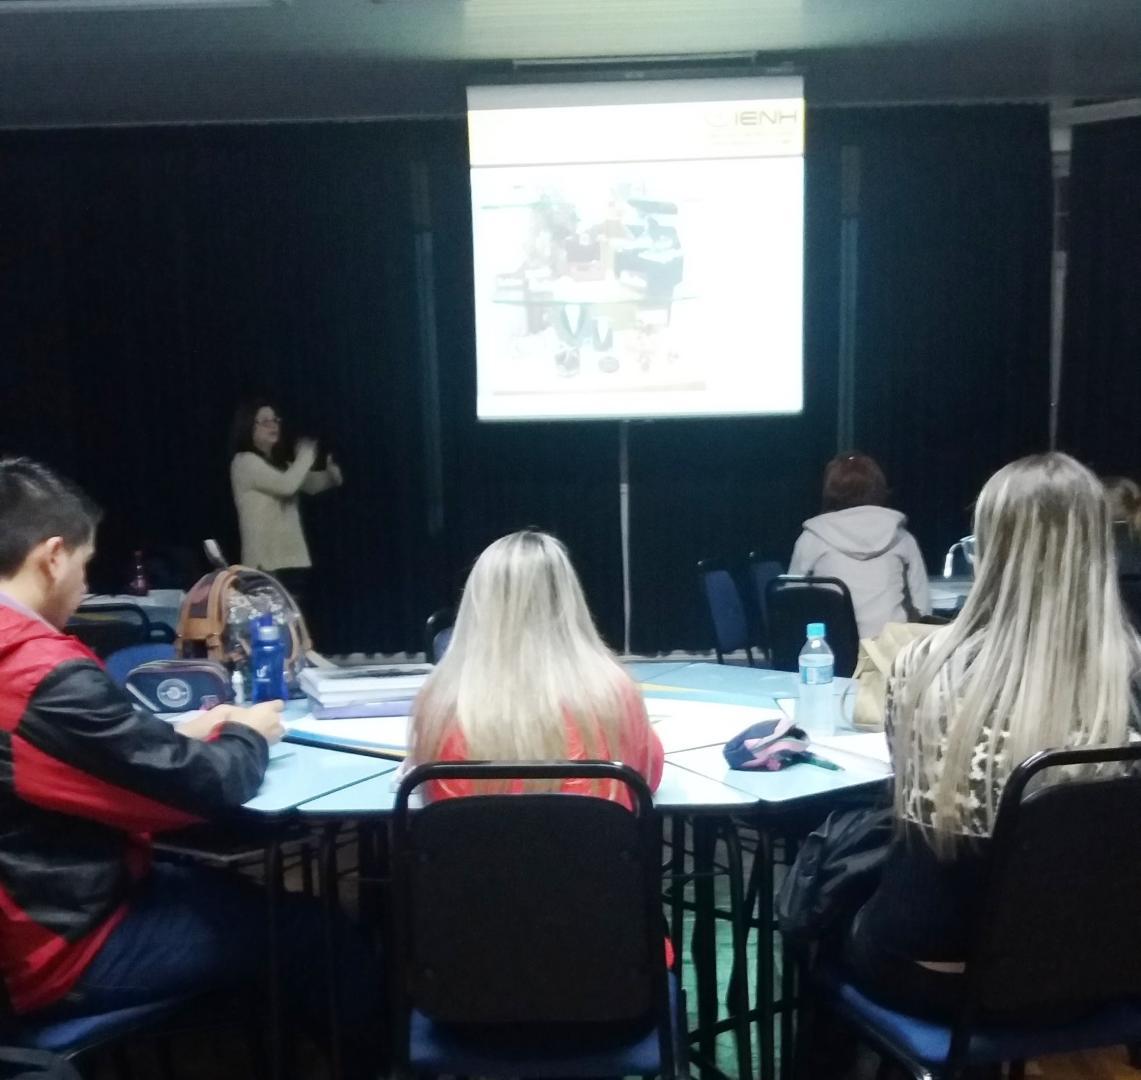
{"x": 307, "y": 448}
{"x": 334, "y": 471}
{"x": 265, "y": 719}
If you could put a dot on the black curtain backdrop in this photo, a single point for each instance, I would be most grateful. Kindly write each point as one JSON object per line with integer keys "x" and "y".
{"x": 952, "y": 340}
{"x": 153, "y": 277}
{"x": 1101, "y": 378}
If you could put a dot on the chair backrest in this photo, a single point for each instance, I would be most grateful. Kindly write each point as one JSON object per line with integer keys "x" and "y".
{"x": 528, "y": 909}
{"x": 1130, "y": 586}
{"x": 761, "y": 572}
{"x": 726, "y": 610}
{"x": 106, "y": 628}
{"x": 1060, "y": 926}
{"x": 791, "y": 603}
{"x": 122, "y": 662}
{"x": 438, "y": 634}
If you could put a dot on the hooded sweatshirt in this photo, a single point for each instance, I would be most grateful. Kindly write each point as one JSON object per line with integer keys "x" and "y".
{"x": 869, "y": 549}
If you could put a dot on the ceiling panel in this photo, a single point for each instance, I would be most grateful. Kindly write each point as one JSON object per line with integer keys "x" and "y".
{"x": 315, "y": 58}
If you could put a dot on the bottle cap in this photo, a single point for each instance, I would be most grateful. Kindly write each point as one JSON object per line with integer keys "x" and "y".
{"x": 815, "y": 630}
{"x": 269, "y": 632}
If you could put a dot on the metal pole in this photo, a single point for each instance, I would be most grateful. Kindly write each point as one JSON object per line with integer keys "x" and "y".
{"x": 624, "y": 520}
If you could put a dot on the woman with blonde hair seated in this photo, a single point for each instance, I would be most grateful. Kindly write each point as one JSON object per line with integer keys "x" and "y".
{"x": 527, "y": 678}
{"x": 1041, "y": 656}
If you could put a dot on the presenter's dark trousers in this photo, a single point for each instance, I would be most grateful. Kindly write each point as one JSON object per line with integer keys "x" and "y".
{"x": 193, "y": 929}
{"x": 298, "y": 580}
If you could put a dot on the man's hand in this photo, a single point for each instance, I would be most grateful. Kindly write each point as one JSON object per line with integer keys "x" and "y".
{"x": 200, "y": 724}
{"x": 265, "y": 719}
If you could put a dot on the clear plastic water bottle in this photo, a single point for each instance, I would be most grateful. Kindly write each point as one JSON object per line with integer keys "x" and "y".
{"x": 815, "y": 706}
{"x": 267, "y": 664}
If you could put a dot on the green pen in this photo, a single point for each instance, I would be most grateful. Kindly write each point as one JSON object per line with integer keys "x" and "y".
{"x": 823, "y": 763}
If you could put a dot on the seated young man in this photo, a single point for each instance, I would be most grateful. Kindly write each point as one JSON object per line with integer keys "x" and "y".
{"x": 87, "y": 924}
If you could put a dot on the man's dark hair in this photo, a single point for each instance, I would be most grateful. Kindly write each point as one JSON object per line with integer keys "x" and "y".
{"x": 35, "y": 505}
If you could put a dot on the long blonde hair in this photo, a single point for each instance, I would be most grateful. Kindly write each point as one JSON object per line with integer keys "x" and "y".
{"x": 1041, "y": 654}
{"x": 525, "y": 661}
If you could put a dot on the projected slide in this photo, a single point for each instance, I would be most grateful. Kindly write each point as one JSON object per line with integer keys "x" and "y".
{"x": 638, "y": 248}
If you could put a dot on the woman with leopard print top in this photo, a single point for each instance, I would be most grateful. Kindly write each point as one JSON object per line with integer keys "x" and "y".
{"x": 1041, "y": 656}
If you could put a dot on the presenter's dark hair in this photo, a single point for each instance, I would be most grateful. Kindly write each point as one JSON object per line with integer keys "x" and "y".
{"x": 35, "y": 505}
{"x": 853, "y": 480}
{"x": 242, "y": 429}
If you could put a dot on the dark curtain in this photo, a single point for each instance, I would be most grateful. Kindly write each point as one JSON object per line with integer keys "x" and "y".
{"x": 953, "y": 330}
{"x": 1101, "y": 377}
{"x": 951, "y": 357}
{"x": 154, "y": 277}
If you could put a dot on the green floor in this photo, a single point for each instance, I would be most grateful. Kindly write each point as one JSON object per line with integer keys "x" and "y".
{"x": 726, "y": 1050}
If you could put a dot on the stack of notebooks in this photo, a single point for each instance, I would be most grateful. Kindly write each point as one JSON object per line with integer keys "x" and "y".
{"x": 345, "y": 693}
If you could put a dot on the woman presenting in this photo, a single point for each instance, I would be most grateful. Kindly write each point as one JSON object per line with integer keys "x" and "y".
{"x": 267, "y": 487}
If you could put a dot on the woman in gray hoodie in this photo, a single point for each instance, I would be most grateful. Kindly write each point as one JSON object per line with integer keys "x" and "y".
{"x": 859, "y": 540}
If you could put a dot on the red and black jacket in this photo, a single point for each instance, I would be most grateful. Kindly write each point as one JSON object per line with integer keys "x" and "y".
{"x": 85, "y": 779}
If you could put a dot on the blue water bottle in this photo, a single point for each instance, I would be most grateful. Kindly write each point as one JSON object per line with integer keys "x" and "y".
{"x": 267, "y": 664}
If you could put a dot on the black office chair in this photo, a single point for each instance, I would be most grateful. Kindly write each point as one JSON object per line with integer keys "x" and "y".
{"x": 528, "y": 930}
{"x": 438, "y": 634}
{"x": 791, "y": 603}
{"x": 107, "y": 628}
{"x": 1058, "y": 934}
{"x": 727, "y": 616}
{"x": 1130, "y": 586}
{"x": 761, "y": 572}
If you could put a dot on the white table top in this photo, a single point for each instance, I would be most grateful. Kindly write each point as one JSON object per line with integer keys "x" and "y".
{"x": 696, "y": 709}
{"x": 298, "y": 774}
{"x": 777, "y": 789}
{"x": 680, "y": 789}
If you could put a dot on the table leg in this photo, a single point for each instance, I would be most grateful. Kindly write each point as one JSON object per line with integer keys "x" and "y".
{"x": 704, "y": 943}
{"x": 738, "y": 1003}
{"x": 677, "y": 892}
{"x": 788, "y": 985}
{"x": 763, "y": 869}
{"x": 274, "y": 1027}
{"x": 328, "y": 877}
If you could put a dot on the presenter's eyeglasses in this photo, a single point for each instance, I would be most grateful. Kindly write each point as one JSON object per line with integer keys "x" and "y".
{"x": 268, "y": 421}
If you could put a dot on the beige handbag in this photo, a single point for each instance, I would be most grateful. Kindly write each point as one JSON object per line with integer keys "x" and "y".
{"x": 874, "y": 666}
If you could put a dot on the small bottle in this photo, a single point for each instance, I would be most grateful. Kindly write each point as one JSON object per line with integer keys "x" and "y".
{"x": 139, "y": 585}
{"x": 815, "y": 706}
{"x": 238, "y": 686}
{"x": 267, "y": 664}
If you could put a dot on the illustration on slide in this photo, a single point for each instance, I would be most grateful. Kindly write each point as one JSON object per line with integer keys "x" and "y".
{"x": 593, "y": 282}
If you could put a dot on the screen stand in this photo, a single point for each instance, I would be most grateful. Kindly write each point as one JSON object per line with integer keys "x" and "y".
{"x": 624, "y": 525}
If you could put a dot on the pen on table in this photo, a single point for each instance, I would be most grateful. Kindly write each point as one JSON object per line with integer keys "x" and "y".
{"x": 823, "y": 763}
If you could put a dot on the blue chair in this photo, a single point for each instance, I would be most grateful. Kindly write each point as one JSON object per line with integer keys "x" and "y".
{"x": 528, "y": 930}
{"x": 438, "y": 634}
{"x": 123, "y": 661}
{"x": 1058, "y": 933}
{"x": 726, "y": 610}
{"x": 761, "y": 572}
